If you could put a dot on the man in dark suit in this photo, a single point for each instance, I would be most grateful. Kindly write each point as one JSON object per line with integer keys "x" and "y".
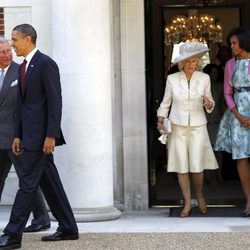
{"x": 8, "y": 100}
{"x": 37, "y": 133}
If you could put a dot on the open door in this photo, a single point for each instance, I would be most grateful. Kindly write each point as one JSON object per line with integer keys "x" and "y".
{"x": 163, "y": 187}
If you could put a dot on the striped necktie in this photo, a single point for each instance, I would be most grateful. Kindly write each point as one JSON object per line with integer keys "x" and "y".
{"x": 1, "y": 78}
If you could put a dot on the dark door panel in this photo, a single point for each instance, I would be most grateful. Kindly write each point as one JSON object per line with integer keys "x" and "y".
{"x": 163, "y": 187}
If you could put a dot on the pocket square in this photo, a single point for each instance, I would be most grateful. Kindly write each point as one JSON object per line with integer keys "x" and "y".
{"x": 14, "y": 83}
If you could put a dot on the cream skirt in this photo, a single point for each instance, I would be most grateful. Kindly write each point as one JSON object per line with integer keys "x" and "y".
{"x": 190, "y": 150}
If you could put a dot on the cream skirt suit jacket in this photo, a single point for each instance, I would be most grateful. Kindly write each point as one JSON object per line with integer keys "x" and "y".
{"x": 189, "y": 147}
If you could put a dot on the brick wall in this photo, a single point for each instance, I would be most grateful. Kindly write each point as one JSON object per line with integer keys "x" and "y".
{"x": 1, "y": 21}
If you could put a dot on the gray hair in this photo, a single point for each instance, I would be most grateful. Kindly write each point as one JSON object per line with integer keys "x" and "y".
{"x": 3, "y": 40}
{"x": 27, "y": 30}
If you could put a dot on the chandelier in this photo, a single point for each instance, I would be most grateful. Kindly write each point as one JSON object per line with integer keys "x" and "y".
{"x": 195, "y": 27}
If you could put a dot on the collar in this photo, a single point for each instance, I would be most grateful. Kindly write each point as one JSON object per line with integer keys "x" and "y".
{"x": 30, "y": 55}
{"x": 184, "y": 75}
{"x": 6, "y": 69}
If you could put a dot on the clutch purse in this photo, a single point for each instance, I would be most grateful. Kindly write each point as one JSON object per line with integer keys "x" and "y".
{"x": 167, "y": 130}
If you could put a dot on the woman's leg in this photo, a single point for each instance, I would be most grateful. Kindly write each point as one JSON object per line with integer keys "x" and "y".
{"x": 186, "y": 192}
{"x": 198, "y": 183}
{"x": 198, "y": 186}
{"x": 243, "y": 167}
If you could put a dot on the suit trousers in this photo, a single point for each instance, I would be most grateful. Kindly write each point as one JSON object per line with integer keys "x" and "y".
{"x": 39, "y": 210}
{"x": 38, "y": 169}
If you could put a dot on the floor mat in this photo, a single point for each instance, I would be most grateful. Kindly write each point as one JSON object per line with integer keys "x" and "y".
{"x": 212, "y": 212}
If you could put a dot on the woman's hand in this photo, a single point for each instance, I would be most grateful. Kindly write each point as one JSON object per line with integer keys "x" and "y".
{"x": 206, "y": 102}
{"x": 244, "y": 121}
{"x": 248, "y": 122}
{"x": 160, "y": 125}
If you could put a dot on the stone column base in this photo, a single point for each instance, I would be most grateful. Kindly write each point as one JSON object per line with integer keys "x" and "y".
{"x": 95, "y": 214}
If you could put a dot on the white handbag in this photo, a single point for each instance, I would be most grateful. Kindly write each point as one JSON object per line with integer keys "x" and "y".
{"x": 167, "y": 130}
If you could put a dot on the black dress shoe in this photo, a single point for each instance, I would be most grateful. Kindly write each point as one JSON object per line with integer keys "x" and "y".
{"x": 61, "y": 235}
{"x": 36, "y": 228}
{"x": 9, "y": 242}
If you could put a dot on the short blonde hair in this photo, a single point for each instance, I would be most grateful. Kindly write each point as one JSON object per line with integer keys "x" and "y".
{"x": 181, "y": 63}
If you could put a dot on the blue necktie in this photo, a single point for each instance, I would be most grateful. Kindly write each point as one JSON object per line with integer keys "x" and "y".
{"x": 1, "y": 78}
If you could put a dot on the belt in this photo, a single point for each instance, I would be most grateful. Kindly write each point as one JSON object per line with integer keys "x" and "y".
{"x": 242, "y": 89}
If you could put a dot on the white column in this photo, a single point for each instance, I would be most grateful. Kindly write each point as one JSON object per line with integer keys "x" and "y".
{"x": 82, "y": 48}
{"x": 134, "y": 104}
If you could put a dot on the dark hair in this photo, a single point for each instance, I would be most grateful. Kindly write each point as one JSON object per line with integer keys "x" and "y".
{"x": 208, "y": 68}
{"x": 27, "y": 30}
{"x": 243, "y": 36}
{"x": 224, "y": 53}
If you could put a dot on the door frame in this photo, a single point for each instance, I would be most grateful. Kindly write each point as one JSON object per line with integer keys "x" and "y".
{"x": 154, "y": 46}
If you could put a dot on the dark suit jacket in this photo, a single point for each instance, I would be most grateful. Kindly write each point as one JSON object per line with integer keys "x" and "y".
{"x": 8, "y": 106}
{"x": 40, "y": 104}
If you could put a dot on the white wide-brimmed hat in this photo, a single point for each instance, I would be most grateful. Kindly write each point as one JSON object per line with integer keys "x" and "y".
{"x": 190, "y": 49}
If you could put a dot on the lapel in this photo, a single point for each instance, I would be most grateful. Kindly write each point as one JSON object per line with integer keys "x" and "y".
{"x": 33, "y": 63}
{"x": 8, "y": 80}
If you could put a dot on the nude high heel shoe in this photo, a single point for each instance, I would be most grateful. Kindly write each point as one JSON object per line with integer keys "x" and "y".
{"x": 202, "y": 205}
{"x": 184, "y": 214}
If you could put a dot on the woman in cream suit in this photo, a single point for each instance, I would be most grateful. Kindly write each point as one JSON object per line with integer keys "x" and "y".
{"x": 189, "y": 148}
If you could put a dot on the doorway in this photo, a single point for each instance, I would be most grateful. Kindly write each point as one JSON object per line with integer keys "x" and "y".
{"x": 163, "y": 187}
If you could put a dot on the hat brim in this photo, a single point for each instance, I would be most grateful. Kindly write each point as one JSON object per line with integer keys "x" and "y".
{"x": 185, "y": 57}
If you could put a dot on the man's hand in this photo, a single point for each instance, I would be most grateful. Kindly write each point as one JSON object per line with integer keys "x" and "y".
{"x": 49, "y": 145}
{"x": 16, "y": 146}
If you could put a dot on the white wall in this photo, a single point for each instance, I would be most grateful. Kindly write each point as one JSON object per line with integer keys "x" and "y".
{"x": 128, "y": 89}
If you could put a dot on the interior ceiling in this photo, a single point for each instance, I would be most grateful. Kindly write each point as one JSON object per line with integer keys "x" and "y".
{"x": 224, "y": 16}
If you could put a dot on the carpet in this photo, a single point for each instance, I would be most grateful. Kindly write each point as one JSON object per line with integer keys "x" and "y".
{"x": 212, "y": 212}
